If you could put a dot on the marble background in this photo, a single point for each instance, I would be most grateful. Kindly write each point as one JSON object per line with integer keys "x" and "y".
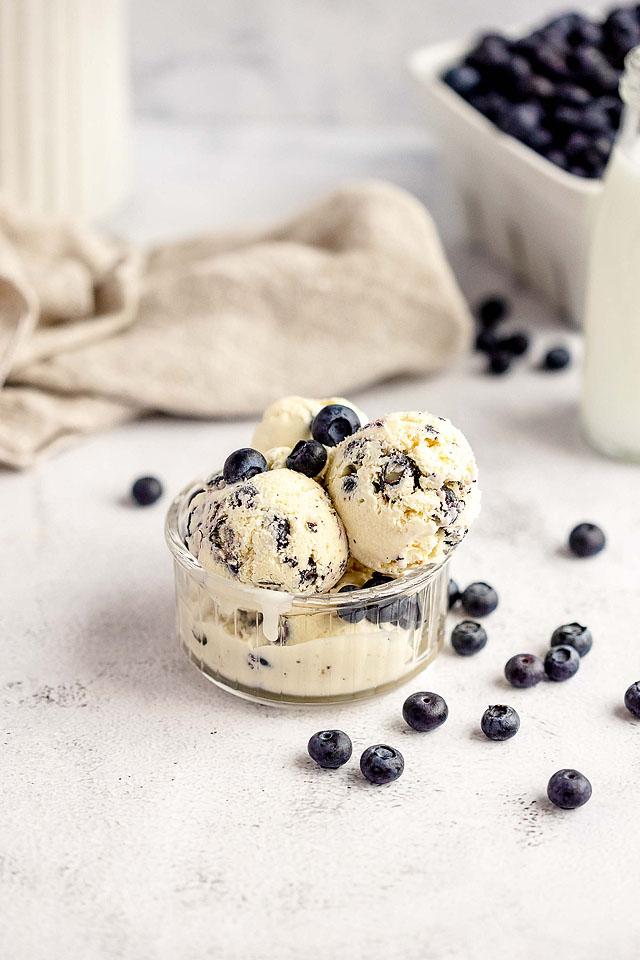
{"x": 303, "y": 61}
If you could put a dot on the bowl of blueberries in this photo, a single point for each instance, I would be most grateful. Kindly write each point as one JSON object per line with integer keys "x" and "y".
{"x": 527, "y": 119}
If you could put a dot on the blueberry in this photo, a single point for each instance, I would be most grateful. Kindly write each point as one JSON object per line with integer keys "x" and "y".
{"x": 350, "y": 614}
{"x": 333, "y": 423}
{"x": 577, "y": 145}
{"x": 586, "y": 540}
{"x": 468, "y": 637}
{"x": 479, "y": 599}
{"x": 492, "y": 310}
{"x": 243, "y": 464}
{"x": 330, "y": 748}
{"x": 500, "y": 722}
{"x": 523, "y": 120}
{"x": 381, "y": 764}
{"x": 573, "y": 635}
{"x": 558, "y": 158}
{"x": 409, "y": 613}
{"x": 146, "y": 490}
{"x": 454, "y": 593}
{"x": 540, "y": 88}
{"x": 377, "y": 579}
{"x": 491, "y": 54}
{"x": 524, "y": 670}
{"x": 486, "y": 341}
{"x": 632, "y": 699}
{"x": 568, "y": 789}
{"x": 308, "y": 457}
{"x": 572, "y": 95}
{"x": 499, "y": 362}
{"x": 556, "y": 359}
{"x": 463, "y": 79}
{"x": 516, "y": 344}
{"x": 561, "y": 663}
{"x": 425, "y": 711}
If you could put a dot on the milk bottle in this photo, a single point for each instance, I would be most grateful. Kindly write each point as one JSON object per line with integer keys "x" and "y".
{"x": 611, "y": 385}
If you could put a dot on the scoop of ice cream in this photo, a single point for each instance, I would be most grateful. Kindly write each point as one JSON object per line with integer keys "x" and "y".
{"x": 289, "y": 419}
{"x": 406, "y": 490}
{"x": 277, "y": 530}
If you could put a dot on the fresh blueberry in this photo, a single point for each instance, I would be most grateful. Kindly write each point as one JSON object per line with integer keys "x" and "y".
{"x": 333, "y": 423}
{"x": 632, "y": 699}
{"x": 556, "y": 359}
{"x": 572, "y": 95}
{"x": 499, "y": 362}
{"x": 486, "y": 341}
{"x": 516, "y": 344}
{"x": 492, "y": 310}
{"x": 540, "y": 88}
{"x": 558, "y": 158}
{"x": 523, "y": 120}
{"x": 479, "y": 599}
{"x": 568, "y": 789}
{"x": 500, "y": 722}
{"x": 561, "y": 663}
{"x": 146, "y": 490}
{"x": 377, "y": 579}
{"x": 409, "y": 613}
{"x": 350, "y": 614}
{"x": 524, "y": 670}
{"x": 573, "y": 635}
{"x": 454, "y": 593}
{"x": 308, "y": 457}
{"x": 468, "y": 637}
{"x": 463, "y": 79}
{"x": 243, "y": 464}
{"x": 330, "y": 748}
{"x": 586, "y": 540}
{"x": 381, "y": 764}
{"x": 425, "y": 711}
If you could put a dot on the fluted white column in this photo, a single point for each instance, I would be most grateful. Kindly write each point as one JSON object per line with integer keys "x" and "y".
{"x": 64, "y": 105}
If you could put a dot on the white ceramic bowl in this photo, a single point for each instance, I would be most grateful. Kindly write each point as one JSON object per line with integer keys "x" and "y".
{"x": 519, "y": 207}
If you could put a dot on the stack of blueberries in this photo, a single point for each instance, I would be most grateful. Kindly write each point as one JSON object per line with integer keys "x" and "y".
{"x": 556, "y": 90}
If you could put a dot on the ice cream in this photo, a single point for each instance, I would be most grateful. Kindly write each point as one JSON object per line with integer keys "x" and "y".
{"x": 277, "y": 530}
{"x": 406, "y": 490}
{"x": 288, "y": 420}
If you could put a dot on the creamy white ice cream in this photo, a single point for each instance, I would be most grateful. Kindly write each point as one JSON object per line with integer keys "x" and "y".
{"x": 289, "y": 419}
{"x": 406, "y": 489}
{"x": 278, "y": 530}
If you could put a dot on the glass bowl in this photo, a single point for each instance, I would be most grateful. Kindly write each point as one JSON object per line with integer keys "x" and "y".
{"x": 269, "y": 646}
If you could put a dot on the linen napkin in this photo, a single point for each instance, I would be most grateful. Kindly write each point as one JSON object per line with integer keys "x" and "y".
{"x": 94, "y": 332}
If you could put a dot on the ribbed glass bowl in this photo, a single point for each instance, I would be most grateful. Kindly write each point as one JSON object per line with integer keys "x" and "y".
{"x": 270, "y": 646}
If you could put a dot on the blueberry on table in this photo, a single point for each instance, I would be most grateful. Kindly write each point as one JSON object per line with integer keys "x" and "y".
{"x": 516, "y": 344}
{"x": 330, "y": 748}
{"x": 308, "y": 457}
{"x": 425, "y": 711}
{"x": 632, "y": 699}
{"x": 485, "y": 341}
{"x": 524, "y": 670}
{"x": 350, "y": 614}
{"x": 479, "y": 599}
{"x": 492, "y": 310}
{"x": 468, "y": 637}
{"x": 499, "y": 362}
{"x": 333, "y": 424}
{"x": 500, "y": 722}
{"x": 381, "y": 764}
{"x": 586, "y": 540}
{"x": 573, "y": 635}
{"x": 561, "y": 663}
{"x": 568, "y": 789}
{"x": 454, "y": 593}
{"x": 146, "y": 490}
{"x": 243, "y": 464}
{"x": 558, "y": 357}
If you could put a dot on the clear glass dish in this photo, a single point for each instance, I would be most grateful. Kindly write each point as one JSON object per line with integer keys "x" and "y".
{"x": 269, "y": 646}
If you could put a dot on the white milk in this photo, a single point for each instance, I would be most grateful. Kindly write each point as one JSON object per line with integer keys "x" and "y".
{"x": 611, "y": 388}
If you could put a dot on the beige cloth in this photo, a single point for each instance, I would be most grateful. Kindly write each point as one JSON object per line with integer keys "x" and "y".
{"x": 94, "y": 332}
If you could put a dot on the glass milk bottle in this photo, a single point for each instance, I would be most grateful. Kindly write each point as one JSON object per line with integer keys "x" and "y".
{"x": 611, "y": 386}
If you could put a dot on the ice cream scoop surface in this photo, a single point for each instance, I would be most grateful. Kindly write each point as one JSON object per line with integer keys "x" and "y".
{"x": 289, "y": 419}
{"x": 406, "y": 489}
{"x": 278, "y": 530}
